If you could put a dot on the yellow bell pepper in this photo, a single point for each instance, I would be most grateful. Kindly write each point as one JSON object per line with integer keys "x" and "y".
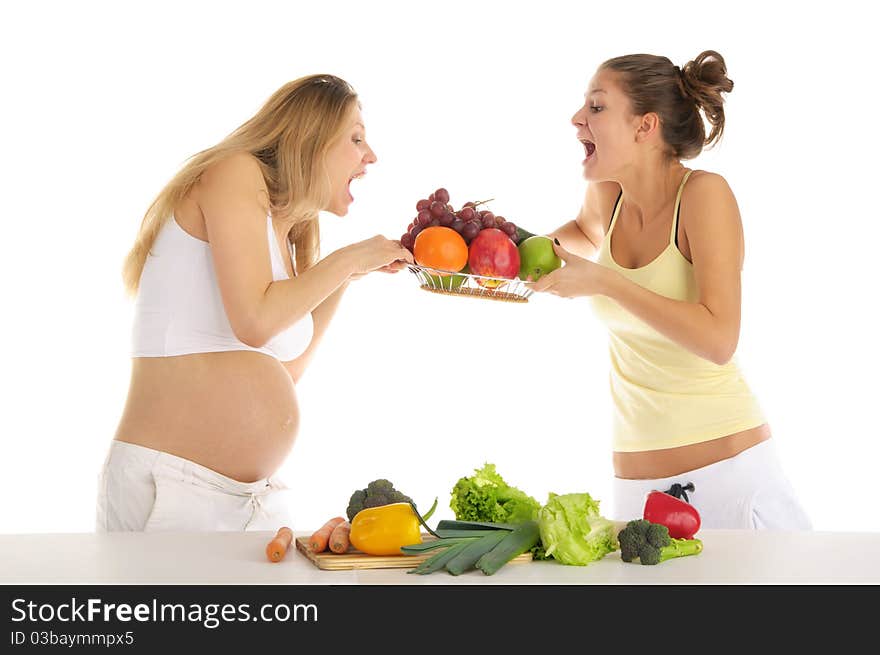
{"x": 383, "y": 530}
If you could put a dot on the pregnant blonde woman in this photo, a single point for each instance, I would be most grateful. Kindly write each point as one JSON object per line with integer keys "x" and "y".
{"x": 659, "y": 249}
{"x": 232, "y": 300}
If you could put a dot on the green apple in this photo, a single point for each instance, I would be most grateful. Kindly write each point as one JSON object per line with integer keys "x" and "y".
{"x": 537, "y": 257}
{"x": 448, "y": 282}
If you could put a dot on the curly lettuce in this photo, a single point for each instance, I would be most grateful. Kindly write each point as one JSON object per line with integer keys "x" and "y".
{"x": 573, "y": 531}
{"x": 485, "y": 496}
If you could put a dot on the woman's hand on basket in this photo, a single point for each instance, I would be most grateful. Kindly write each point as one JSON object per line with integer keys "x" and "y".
{"x": 393, "y": 267}
{"x": 377, "y": 254}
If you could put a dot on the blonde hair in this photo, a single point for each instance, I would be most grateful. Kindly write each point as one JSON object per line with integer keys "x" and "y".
{"x": 289, "y": 136}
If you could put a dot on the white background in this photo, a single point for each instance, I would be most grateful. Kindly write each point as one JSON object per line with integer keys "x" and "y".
{"x": 102, "y": 103}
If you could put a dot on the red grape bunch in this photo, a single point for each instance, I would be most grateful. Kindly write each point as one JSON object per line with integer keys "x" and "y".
{"x": 467, "y": 221}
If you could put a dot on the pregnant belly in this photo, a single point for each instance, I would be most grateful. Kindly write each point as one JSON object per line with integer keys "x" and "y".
{"x": 234, "y": 412}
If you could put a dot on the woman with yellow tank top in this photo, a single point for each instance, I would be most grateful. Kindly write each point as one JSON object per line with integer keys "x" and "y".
{"x": 658, "y": 249}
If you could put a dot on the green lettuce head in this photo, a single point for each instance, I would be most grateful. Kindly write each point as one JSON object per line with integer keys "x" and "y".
{"x": 573, "y": 531}
{"x": 485, "y": 496}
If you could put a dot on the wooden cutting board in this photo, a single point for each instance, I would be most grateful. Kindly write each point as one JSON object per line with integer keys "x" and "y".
{"x": 355, "y": 559}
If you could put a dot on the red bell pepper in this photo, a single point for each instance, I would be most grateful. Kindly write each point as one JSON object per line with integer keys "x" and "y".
{"x": 667, "y": 508}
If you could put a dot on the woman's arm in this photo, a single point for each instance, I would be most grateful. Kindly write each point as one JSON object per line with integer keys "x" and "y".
{"x": 234, "y": 202}
{"x": 584, "y": 234}
{"x": 708, "y": 327}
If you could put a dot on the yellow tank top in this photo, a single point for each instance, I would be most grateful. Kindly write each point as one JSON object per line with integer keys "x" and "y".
{"x": 663, "y": 395}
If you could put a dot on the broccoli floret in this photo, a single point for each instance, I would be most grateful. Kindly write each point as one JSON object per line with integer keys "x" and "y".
{"x": 650, "y": 543}
{"x": 639, "y": 525}
{"x": 385, "y": 498}
{"x": 628, "y": 554}
{"x": 376, "y": 500}
{"x": 377, "y": 493}
{"x": 657, "y": 535}
{"x": 356, "y": 503}
{"x": 649, "y": 554}
{"x": 380, "y": 486}
{"x": 631, "y": 541}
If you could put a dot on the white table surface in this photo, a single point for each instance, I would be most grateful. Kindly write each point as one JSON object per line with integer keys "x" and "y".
{"x": 728, "y": 557}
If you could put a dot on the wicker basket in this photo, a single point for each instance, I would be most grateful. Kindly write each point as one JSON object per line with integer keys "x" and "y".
{"x": 467, "y": 284}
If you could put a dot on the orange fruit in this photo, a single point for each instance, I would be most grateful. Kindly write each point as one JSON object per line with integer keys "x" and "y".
{"x": 439, "y": 247}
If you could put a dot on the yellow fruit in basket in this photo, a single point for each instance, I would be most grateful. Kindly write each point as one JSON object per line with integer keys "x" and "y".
{"x": 439, "y": 247}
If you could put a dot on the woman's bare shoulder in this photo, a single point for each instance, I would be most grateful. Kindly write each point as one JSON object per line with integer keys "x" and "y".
{"x": 708, "y": 185}
{"x": 709, "y": 216}
{"x": 237, "y": 168}
{"x": 234, "y": 178}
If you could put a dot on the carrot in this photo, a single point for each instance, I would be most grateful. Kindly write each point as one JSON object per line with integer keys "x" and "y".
{"x": 339, "y": 539}
{"x": 277, "y": 548}
{"x": 318, "y": 541}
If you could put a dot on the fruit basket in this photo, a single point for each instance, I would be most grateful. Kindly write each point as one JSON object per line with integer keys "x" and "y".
{"x": 472, "y": 251}
{"x": 467, "y": 284}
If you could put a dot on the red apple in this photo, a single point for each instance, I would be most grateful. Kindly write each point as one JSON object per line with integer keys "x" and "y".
{"x": 493, "y": 254}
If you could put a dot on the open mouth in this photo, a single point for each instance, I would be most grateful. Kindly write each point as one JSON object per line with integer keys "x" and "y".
{"x": 589, "y": 147}
{"x": 356, "y": 176}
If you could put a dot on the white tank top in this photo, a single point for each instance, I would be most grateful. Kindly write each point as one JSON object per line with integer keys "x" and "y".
{"x": 179, "y": 310}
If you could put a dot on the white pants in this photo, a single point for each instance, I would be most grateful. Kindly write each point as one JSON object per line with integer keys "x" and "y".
{"x": 141, "y": 489}
{"x": 747, "y": 491}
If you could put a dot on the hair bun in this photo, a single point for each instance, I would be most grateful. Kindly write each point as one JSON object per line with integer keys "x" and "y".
{"x": 704, "y": 79}
{"x": 707, "y": 73}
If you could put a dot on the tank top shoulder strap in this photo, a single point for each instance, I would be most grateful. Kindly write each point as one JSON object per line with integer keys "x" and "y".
{"x": 673, "y": 236}
{"x": 616, "y": 212}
